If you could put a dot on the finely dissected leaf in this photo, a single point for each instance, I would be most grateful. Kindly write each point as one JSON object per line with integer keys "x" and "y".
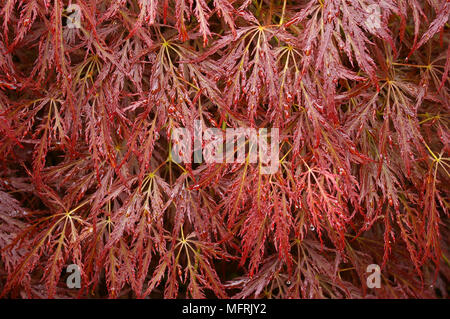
{"x": 359, "y": 94}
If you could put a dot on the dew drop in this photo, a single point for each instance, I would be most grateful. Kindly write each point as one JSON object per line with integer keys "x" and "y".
{"x": 155, "y": 87}
{"x": 260, "y": 73}
{"x": 312, "y": 228}
{"x": 391, "y": 202}
{"x": 289, "y": 97}
{"x": 330, "y": 18}
{"x": 288, "y": 283}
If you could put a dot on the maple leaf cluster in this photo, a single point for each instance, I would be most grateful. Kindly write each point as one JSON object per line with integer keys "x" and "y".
{"x": 359, "y": 91}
